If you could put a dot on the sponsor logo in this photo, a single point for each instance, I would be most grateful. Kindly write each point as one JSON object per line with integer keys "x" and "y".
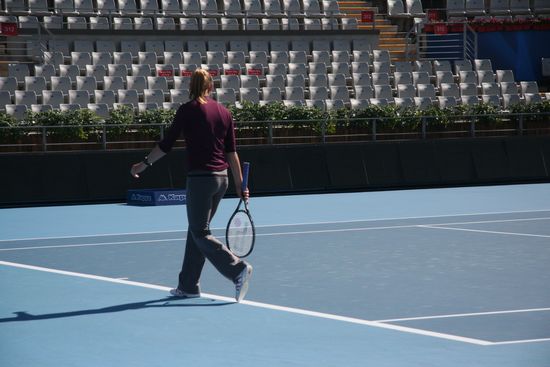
{"x": 139, "y": 197}
{"x": 171, "y": 197}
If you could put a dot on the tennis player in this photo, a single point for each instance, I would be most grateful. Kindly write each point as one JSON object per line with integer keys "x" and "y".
{"x": 208, "y": 129}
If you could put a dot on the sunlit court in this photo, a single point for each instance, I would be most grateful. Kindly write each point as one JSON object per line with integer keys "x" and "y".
{"x": 309, "y": 183}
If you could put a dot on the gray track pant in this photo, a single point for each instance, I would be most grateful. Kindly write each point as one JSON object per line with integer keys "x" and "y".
{"x": 204, "y": 192}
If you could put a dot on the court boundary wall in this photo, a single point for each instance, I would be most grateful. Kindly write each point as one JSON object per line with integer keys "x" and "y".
{"x": 93, "y": 177}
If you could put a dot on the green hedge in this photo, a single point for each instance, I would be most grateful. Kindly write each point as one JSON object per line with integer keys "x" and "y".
{"x": 85, "y": 125}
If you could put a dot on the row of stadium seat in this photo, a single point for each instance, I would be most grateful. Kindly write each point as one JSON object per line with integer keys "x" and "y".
{"x": 176, "y": 8}
{"x": 172, "y": 24}
{"x": 159, "y": 46}
{"x": 472, "y": 8}
{"x": 155, "y": 100}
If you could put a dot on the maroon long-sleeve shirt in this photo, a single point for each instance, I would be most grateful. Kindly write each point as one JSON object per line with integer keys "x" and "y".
{"x": 209, "y": 133}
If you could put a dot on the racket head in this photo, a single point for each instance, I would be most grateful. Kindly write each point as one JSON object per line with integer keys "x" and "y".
{"x": 240, "y": 233}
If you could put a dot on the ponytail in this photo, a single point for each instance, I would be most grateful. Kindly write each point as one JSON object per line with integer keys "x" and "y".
{"x": 201, "y": 84}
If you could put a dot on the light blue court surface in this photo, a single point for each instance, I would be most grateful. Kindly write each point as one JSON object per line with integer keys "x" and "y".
{"x": 444, "y": 277}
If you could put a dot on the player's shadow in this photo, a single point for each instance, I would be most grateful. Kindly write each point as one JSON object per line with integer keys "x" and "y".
{"x": 157, "y": 303}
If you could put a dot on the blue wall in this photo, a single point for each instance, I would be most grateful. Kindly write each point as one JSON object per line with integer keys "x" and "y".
{"x": 520, "y": 51}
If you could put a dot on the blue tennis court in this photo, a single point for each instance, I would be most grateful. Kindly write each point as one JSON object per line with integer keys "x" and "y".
{"x": 434, "y": 277}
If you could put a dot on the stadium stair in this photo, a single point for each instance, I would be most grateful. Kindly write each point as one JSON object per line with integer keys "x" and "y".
{"x": 390, "y": 38}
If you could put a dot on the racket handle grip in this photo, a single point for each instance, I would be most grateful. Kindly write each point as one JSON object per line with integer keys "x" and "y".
{"x": 246, "y": 169}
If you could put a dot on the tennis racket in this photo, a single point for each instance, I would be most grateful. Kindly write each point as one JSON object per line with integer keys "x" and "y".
{"x": 240, "y": 233}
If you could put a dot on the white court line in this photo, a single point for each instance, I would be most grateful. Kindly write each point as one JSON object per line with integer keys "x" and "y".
{"x": 467, "y": 314}
{"x": 144, "y": 242}
{"x": 523, "y": 341}
{"x": 359, "y": 229}
{"x": 265, "y": 305}
{"x": 285, "y": 225}
{"x": 435, "y": 226}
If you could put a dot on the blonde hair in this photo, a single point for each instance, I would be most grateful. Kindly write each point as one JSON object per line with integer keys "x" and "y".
{"x": 201, "y": 84}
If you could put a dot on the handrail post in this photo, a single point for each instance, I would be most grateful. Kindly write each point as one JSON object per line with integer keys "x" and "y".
{"x": 520, "y": 124}
{"x": 104, "y": 137}
{"x": 473, "y": 127}
{"x": 270, "y": 133}
{"x": 374, "y": 129}
{"x": 44, "y": 139}
{"x": 323, "y": 131}
{"x": 424, "y": 127}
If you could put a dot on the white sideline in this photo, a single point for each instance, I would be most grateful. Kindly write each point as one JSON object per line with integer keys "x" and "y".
{"x": 263, "y": 305}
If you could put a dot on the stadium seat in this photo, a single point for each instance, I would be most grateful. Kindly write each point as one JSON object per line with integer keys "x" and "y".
{"x": 79, "y": 97}
{"x": 364, "y": 92}
{"x": 485, "y": 76}
{"x": 295, "y": 80}
{"x": 53, "y": 98}
{"x": 402, "y": 78}
{"x": 499, "y": 7}
{"x": 423, "y": 103}
{"x": 318, "y": 80}
{"x": 468, "y": 89}
{"x": 120, "y": 70}
{"x": 275, "y": 81}
{"x": 462, "y": 65}
{"x": 61, "y": 83}
{"x": 380, "y": 79}
{"x": 467, "y": 77}
{"x": 336, "y": 80}
{"x": 505, "y": 76}
{"x": 469, "y": 100}
{"x": 403, "y": 67}
{"x": 106, "y": 97}
{"x": 316, "y": 103}
{"x": 396, "y": 8}
{"x": 179, "y": 96}
{"x": 447, "y": 102}
{"x": 128, "y": 96}
{"x": 541, "y": 7}
{"x": 415, "y": 9}
{"x": 490, "y": 89}
{"x": 250, "y": 81}
{"x": 449, "y": 90}
{"x": 9, "y": 84}
{"x": 406, "y": 91}
{"x": 318, "y": 93}
{"x": 383, "y": 92}
{"x": 529, "y": 87}
{"x": 361, "y": 79}
{"x": 335, "y": 104}
{"x": 270, "y": 95}
{"x": 72, "y": 71}
{"x": 475, "y": 8}
{"x": 491, "y": 99}
{"x": 294, "y": 93}
{"x": 426, "y": 90}
{"x": 359, "y": 104}
{"x": 17, "y": 111}
{"x": 251, "y": 95}
{"x": 403, "y": 103}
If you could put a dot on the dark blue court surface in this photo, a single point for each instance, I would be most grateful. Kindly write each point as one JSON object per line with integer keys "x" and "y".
{"x": 447, "y": 277}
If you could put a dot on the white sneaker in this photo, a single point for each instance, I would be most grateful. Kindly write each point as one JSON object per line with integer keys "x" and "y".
{"x": 176, "y": 292}
{"x": 241, "y": 284}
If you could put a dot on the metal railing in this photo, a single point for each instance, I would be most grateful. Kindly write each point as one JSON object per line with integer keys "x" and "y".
{"x": 453, "y": 45}
{"x": 116, "y": 137}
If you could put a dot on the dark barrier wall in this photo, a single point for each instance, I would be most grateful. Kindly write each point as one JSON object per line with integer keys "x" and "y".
{"x": 518, "y": 51}
{"x": 104, "y": 176}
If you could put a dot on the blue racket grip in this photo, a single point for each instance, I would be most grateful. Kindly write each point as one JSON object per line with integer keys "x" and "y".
{"x": 246, "y": 169}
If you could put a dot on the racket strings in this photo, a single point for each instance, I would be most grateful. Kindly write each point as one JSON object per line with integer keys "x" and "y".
{"x": 240, "y": 234}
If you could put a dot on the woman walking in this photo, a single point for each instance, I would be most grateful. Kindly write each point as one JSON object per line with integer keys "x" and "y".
{"x": 208, "y": 129}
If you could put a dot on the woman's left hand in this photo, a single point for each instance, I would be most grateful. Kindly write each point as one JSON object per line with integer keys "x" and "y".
{"x": 137, "y": 169}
